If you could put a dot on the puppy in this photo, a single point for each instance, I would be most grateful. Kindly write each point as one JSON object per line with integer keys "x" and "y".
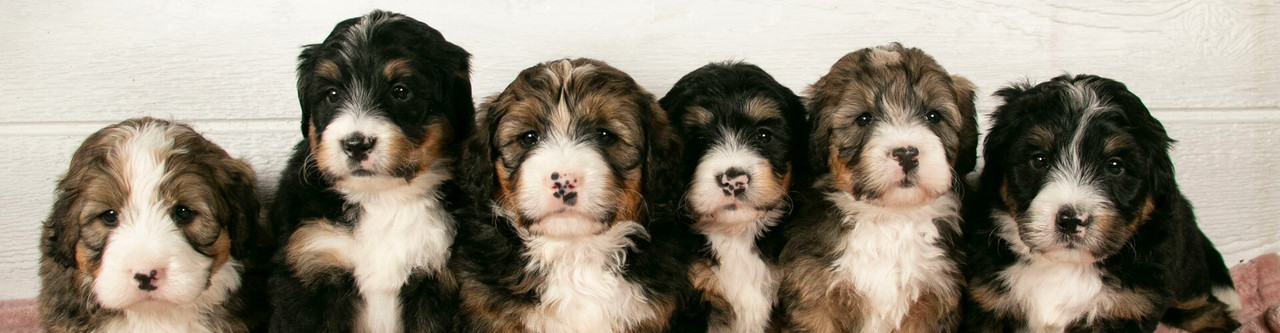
{"x": 569, "y": 172}
{"x": 154, "y": 229}
{"x": 893, "y": 136}
{"x": 363, "y": 201}
{"x": 1079, "y": 224}
{"x": 746, "y": 136}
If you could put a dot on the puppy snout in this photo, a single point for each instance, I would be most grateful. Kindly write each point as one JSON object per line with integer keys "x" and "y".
{"x": 906, "y": 157}
{"x": 565, "y": 187}
{"x": 1071, "y": 223}
{"x": 733, "y": 182}
{"x": 357, "y": 146}
{"x": 149, "y": 279}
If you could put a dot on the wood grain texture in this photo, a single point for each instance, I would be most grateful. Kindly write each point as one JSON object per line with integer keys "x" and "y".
{"x": 1211, "y": 69}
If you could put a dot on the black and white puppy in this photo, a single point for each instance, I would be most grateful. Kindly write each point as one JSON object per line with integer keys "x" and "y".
{"x": 1079, "y": 225}
{"x": 362, "y": 204}
{"x": 569, "y": 171}
{"x": 875, "y": 249}
{"x": 155, "y": 229}
{"x": 745, "y": 138}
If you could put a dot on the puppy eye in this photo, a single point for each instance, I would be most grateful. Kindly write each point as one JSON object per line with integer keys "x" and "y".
{"x": 1040, "y": 161}
{"x": 863, "y": 119}
{"x": 182, "y": 215}
{"x": 605, "y": 136}
{"x": 528, "y": 139}
{"x": 109, "y": 218}
{"x": 331, "y": 96}
{"x": 763, "y": 136}
{"x": 400, "y": 92}
{"x": 1115, "y": 166}
{"x": 933, "y": 116}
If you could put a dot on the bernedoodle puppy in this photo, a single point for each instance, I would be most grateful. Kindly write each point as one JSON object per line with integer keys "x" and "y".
{"x": 154, "y": 229}
{"x": 1079, "y": 225}
{"x": 570, "y": 173}
{"x": 875, "y": 249}
{"x": 746, "y": 140}
{"x": 363, "y": 203}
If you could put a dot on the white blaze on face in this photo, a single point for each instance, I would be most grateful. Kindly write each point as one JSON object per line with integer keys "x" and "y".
{"x": 146, "y": 238}
{"x": 708, "y": 193}
{"x": 356, "y": 117}
{"x": 930, "y": 179}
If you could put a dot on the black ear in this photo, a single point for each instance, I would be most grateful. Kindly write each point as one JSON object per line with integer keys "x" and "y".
{"x": 995, "y": 145}
{"x": 662, "y": 158}
{"x": 798, "y": 151}
{"x": 967, "y": 155}
{"x": 251, "y": 239}
{"x": 306, "y": 81}
{"x": 475, "y": 168}
{"x": 819, "y": 135}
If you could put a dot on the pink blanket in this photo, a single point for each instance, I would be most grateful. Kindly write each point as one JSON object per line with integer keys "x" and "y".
{"x": 1257, "y": 281}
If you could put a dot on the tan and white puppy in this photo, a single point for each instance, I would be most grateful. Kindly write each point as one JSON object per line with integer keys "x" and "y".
{"x": 893, "y": 136}
{"x": 155, "y": 229}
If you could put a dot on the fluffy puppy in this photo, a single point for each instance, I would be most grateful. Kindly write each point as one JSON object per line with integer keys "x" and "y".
{"x": 565, "y": 235}
{"x": 1080, "y": 226}
{"x": 745, "y": 138}
{"x": 893, "y": 136}
{"x": 362, "y": 203}
{"x": 154, "y": 229}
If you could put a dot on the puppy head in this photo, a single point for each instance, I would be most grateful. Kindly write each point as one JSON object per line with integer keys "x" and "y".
{"x": 148, "y": 212}
{"x": 743, "y": 132}
{"x": 892, "y": 127}
{"x": 568, "y": 146}
{"x": 382, "y": 98}
{"x": 1078, "y": 163}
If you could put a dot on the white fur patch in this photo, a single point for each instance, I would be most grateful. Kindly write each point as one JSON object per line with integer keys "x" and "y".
{"x": 566, "y": 157}
{"x": 403, "y": 228}
{"x": 1054, "y": 294}
{"x": 188, "y": 317}
{"x": 891, "y": 256}
{"x": 748, "y": 283}
{"x": 1229, "y": 296}
{"x": 932, "y": 176}
{"x": 584, "y": 290}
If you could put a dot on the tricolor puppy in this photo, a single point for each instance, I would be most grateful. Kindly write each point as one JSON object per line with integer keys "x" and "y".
{"x": 745, "y": 138}
{"x": 874, "y": 251}
{"x": 155, "y": 229}
{"x": 362, "y": 204}
{"x": 568, "y": 169}
{"x": 1080, "y": 226}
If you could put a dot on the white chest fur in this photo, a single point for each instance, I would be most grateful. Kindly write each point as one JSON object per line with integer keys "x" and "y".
{"x": 192, "y": 317}
{"x": 1054, "y": 294}
{"x": 583, "y": 288}
{"x": 747, "y": 282}
{"x": 400, "y": 230}
{"x": 891, "y": 256}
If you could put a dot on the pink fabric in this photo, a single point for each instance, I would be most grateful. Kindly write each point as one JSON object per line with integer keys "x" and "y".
{"x": 1258, "y": 283}
{"x": 19, "y": 316}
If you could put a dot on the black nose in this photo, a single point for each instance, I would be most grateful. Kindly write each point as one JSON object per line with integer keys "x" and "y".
{"x": 144, "y": 281}
{"x": 357, "y": 146}
{"x": 906, "y": 157}
{"x": 1069, "y": 222}
{"x": 734, "y": 182}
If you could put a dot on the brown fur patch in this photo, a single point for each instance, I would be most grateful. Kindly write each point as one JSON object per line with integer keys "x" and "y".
{"x": 705, "y": 281}
{"x": 629, "y": 199}
{"x": 396, "y": 68}
{"x": 329, "y": 70}
{"x": 307, "y": 254}
{"x": 221, "y": 251}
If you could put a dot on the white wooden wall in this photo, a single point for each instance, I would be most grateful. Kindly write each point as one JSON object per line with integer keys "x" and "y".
{"x": 1210, "y": 70}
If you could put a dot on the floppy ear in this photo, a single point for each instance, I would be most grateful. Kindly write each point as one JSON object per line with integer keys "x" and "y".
{"x": 662, "y": 156}
{"x": 61, "y": 230}
{"x": 251, "y": 239}
{"x": 820, "y": 97}
{"x": 306, "y": 78}
{"x": 475, "y": 168}
{"x": 967, "y": 154}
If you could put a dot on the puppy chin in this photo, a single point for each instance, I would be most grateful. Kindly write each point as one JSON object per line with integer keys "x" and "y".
{"x": 567, "y": 225}
{"x": 1068, "y": 255}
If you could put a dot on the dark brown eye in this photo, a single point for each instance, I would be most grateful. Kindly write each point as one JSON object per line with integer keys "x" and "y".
{"x": 933, "y": 116}
{"x": 763, "y": 136}
{"x": 528, "y": 139}
{"x": 1115, "y": 166}
{"x": 182, "y": 215}
{"x": 605, "y": 136}
{"x": 1039, "y": 161}
{"x": 864, "y": 119}
{"x": 401, "y": 92}
{"x": 109, "y": 218}
{"x": 331, "y": 96}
